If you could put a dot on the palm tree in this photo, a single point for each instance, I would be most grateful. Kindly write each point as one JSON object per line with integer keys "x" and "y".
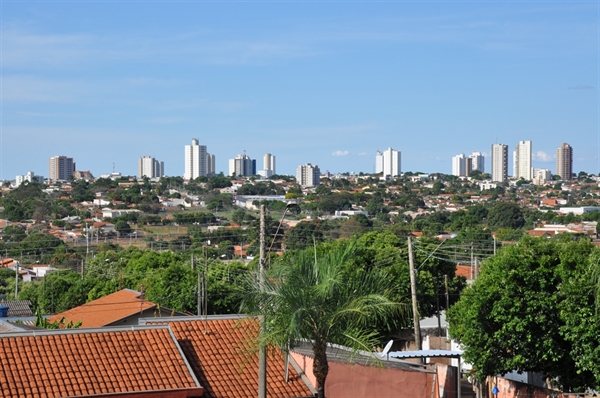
{"x": 312, "y": 299}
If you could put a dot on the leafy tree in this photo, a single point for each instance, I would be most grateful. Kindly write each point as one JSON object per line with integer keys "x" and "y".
{"x": 123, "y": 227}
{"x": 513, "y": 317}
{"x": 506, "y": 215}
{"x": 42, "y": 322}
{"x": 313, "y": 299}
{"x": 303, "y": 235}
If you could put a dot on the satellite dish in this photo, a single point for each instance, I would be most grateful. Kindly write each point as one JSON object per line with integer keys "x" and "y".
{"x": 387, "y": 348}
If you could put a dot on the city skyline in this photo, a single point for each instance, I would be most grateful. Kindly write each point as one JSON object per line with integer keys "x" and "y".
{"x": 327, "y": 83}
{"x": 198, "y": 162}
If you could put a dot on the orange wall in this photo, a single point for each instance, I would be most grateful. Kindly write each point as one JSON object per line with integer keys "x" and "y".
{"x": 347, "y": 380}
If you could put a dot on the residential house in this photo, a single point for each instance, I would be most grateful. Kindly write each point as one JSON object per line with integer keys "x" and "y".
{"x": 221, "y": 352}
{"x": 121, "y": 308}
{"x": 17, "y": 307}
{"x": 114, "y": 362}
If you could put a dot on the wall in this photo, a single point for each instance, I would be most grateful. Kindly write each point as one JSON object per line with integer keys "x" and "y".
{"x": 349, "y": 380}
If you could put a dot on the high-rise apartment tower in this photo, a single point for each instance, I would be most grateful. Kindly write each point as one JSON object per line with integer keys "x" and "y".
{"x": 150, "y": 167}
{"x": 308, "y": 175}
{"x": 195, "y": 161}
{"x": 564, "y": 161}
{"x": 477, "y": 162}
{"x": 523, "y": 168}
{"x": 462, "y": 165}
{"x": 60, "y": 168}
{"x": 242, "y": 165}
{"x": 499, "y": 162}
{"x": 269, "y": 165}
{"x": 388, "y": 162}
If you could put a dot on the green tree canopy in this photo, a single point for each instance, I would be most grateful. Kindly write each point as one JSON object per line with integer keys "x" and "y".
{"x": 527, "y": 310}
{"x": 313, "y": 299}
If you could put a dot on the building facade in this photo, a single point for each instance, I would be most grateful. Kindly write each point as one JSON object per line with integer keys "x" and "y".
{"x": 379, "y": 162}
{"x": 60, "y": 168}
{"x": 242, "y": 166}
{"x": 477, "y": 162}
{"x": 268, "y": 166}
{"x": 541, "y": 176}
{"x": 390, "y": 163}
{"x": 523, "y": 168}
{"x": 210, "y": 165}
{"x": 499, "y": 162}
{"x": 150, "y": 167}
{"x": 195, "y": 161}
{"x": 462, "y": 165}
{"x": 308, "y": 175}
{"x": 30, "y": 177}
{"x": 564, "y": 161}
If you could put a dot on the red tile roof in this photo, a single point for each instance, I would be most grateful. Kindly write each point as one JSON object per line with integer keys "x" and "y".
{"x": 222, "y": 359}
{"x": 106, "y": 310}
{"x": 78, "y": 363}
{"x": 465, "y": 271}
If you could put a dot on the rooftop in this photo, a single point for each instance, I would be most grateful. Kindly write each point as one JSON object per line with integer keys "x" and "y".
{"x": 76, "y": 362}
{"x": 220, "y": 352}
{"x": 106, "y": 310}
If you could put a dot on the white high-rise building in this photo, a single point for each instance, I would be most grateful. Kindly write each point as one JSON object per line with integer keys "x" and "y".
{"x": 391, "y": 163}
{"x": 523, "y": 168}
{"x": 195, "y": 161}
{"x": 30, "y": 177}
{"x": 499, "y": 162}
{"x": 268, "y": 166}
{"x": 378, "y": 162}
{"x": 150, "y": 167}
{"x": 308, "y": 175}
{"x": 461, "y": 165}
{"x": 477, "y": 162}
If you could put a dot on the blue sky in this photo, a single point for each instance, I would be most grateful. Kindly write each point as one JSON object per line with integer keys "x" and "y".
{"x": 326, "y": 83}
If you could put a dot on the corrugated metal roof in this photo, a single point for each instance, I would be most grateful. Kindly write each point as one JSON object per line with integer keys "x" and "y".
{"x": 18, "y": 307}
{"x": 425, "y": 354}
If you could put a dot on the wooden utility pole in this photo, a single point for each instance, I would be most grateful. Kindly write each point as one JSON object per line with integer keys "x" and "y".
{"x": 262, "y": 354}
{"x": 413, "y": 291}
{"x": 447, "y": 294}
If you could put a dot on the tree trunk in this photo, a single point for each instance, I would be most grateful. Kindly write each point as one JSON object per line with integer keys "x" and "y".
{"x": 320, "y": 366}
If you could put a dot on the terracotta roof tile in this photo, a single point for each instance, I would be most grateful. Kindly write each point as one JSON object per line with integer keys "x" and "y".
{"x": 134, "y": 352}
{"x": 224, "y": 364}
{"x": 106, "y": 310}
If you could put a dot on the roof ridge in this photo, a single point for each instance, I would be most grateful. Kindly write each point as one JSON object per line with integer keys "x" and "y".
{"x": 105, "y": 329}
{"x": 187, "y": 318}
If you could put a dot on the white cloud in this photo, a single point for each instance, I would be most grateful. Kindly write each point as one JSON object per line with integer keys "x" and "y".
{"x": 543, "y": 157}
{"x": 340, "y": 153}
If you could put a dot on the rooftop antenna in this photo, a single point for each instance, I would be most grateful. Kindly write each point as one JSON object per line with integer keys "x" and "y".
{"x": 113, "y": 167}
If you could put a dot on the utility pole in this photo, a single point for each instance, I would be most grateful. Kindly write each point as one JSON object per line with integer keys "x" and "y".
{"x": 262, "y": 354}
{"x": 16, "y": 280}
{"x": 447, "y": 294}
{"x": 413, "y": 291}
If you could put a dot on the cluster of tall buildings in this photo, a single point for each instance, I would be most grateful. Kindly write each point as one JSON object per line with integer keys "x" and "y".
{"x": 464, "y": 165}
{"x": 522, "y": 166}
{"x": 200, "y": 163}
